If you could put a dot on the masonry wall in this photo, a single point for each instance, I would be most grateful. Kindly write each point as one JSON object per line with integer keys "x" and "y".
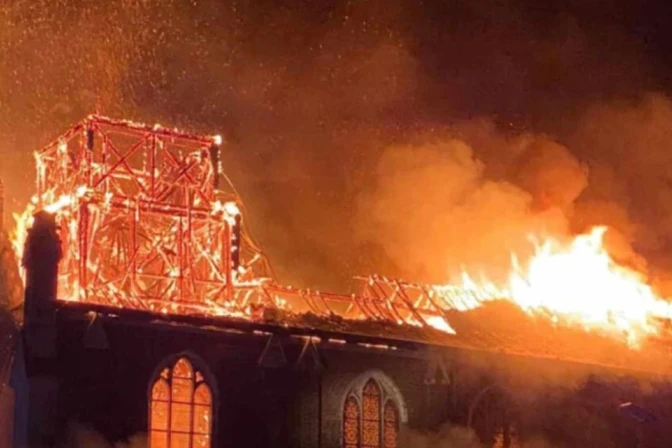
{"x": 108, "y": 388}
{"x": 406, "y": 372}
{"x": 272, "y": 403}
{"x": 284, "y": 399}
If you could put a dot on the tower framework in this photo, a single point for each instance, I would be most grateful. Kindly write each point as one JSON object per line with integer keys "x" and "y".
{"x": 147, "y": 223}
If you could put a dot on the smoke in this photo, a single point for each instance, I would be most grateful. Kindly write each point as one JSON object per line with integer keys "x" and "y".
{"x": 438, "y": 207}
{"x": 630, "y": 142}
{"x": 448, "y": 436}
{"x": 469, "y": 194}
{"x": 79, "y": 435}
{"x": 11, "y": 286}
{"x": 317, "y": 101}
{"x": 453, "y": 436}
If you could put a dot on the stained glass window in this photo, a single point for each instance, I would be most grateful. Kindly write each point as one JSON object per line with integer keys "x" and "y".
{"x": 391, "y": 425}
{"x": 366, "y": 423}
{"x": 180, "y": 408}
{"x": 351, "y": 423}
{"x": 371, "y": 415}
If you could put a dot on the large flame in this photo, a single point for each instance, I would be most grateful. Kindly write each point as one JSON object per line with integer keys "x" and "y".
{"x": 578, "y": 283}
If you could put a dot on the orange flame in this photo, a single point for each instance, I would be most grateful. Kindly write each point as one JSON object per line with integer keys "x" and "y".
{"x": 578, "y": 283}
{"x": 24, "y": 222}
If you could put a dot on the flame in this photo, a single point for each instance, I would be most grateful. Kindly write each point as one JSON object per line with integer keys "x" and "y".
{"x": 62, "y": 208}
{"x": 230, "y": 209}
{"x": 62, "y": 202}
{"x": 577, "y": 283}
{"x": 24, "y": 221}
{"x": 439, "y": 323}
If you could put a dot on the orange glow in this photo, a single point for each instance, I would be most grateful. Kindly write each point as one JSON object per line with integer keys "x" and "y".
{"x": 575, "y": 283}
{"x": 24, "y": 222}
{"x": 371, "y": 415}
{"x": 439, "y": 323}
{"x": 180, "y": 409}
{"x": 370, "y": 421}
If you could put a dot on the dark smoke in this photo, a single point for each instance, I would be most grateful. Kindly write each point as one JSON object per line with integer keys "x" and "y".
{"x": 447, "y": 436}
{"x": 402, "y": 137}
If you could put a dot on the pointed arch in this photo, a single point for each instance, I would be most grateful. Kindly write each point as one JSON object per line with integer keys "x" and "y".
{"x": 492, "y": 416}
{"x": 181, "y": 404}
{"x": 351, "y": 419}
{"x": 388, "y": 386}
{"x": 371, "y": 398}
{"x": 378, "y": 406}
{"x": 390, "y": 425}
{"x": 202, "y": 416}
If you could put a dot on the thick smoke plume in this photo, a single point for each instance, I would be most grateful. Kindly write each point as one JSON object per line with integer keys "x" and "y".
{"x": 341, "y": 117}
{"x": 467, "y": 196}
{"x": 435, "y": 207}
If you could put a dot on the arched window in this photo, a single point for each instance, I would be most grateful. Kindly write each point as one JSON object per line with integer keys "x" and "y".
{"x": 180, "y": 408}
{"x": 370, "y": 425}
{"x": 391, "y": 428}
{"x": 371, "y": 415}
{"x": 351, "y": 423}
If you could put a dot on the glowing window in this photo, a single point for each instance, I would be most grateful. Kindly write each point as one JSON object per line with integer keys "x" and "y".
{"x": 180, "y": 408}
{"x": 351, "y": 424}
{"x": 371, "y": 415}
{"x": 366, "y": 423}
{"x": 391, "y": 425}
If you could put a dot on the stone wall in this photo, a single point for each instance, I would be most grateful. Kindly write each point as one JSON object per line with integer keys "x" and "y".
{"x": 284, "y": 404}
{"x": 281, "y": 393}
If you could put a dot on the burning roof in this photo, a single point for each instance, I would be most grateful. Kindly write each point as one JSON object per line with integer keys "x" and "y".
{"x": 149, "y": 222}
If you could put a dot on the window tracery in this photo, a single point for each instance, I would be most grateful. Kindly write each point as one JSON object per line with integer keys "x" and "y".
{"x": 371, "y": 415}
{"x": 372, "y": 421}
{"x": 391, "y": 422}
{"x": 351, "y": 423}
{"x": 180, "y": 408}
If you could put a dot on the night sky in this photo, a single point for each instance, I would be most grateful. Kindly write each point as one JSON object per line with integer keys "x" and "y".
{"x": 403, "y": 137}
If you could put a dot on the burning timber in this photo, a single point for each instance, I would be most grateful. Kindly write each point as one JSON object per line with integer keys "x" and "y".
{"x": 148, "y": 222}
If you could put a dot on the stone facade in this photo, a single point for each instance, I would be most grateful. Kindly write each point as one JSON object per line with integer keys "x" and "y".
{"x": 283, "y": 391}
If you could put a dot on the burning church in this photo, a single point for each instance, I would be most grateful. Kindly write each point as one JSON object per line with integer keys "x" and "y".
{"x": 150, "y": 311}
